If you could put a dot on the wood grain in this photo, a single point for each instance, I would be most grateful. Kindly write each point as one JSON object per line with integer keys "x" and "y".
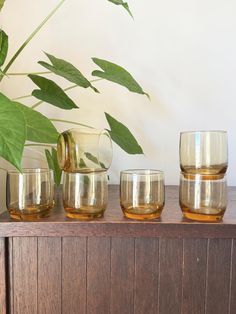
{"x": 194, "y": 276}
{"x": 10, "y": 286}
{"x": 3, "y": 304}
{"x": 233, "y": 279}
{"x": 25, "y": 275}
{"x": 98, "y": 275}
{"x": 171, "y": 224}
{"x": 146, "y": 275}
{"x": 122, "y": 276}
{"x": 218, "y": 276}
{"x": 49, "y": 276}
{"x": 171, "y": 271}
{"x": 74, "y": 275}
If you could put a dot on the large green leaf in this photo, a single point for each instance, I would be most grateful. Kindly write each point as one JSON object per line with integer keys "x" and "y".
{"x": 51, "y": 93}
{"x": 39, "y": 128}
{"x": 3, "y": 46}
{"x": 12, "y": 132}
{"x": 124, "y": 4}
{"x": 53, "y": 164}
{"x": 115, "y": 73}
{"x": 122, "y": 136}
{"x": 67, "y": 70}
{"x": 1, "y": 4}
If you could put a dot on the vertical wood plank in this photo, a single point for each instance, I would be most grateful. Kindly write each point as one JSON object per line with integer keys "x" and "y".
{"x": 10, "y": 290}
{"x": 25, "y": 275}
{"x": 122, "y": 276}
{"x": 171, "y": 270}
{"x": 74, "y": 275}
{"x": 98, "y": 275}
{"x": 49, "y": 275}
{"x": 233, "y": 279}
{"x": 194, "y": 276}
{"x": 3, "y": 294}
{"x": 146, "y": 275}
{"x": 218, "y": 276}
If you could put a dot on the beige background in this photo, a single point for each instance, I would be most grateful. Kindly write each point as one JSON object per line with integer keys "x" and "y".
{"x": 181, "y": 52}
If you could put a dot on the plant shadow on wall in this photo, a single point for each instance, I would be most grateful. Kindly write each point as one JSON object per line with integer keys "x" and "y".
{"x": 22, "y": 126}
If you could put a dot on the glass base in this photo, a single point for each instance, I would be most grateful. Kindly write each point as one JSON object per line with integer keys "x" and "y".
{"x": 29, "y": 217}
{"x": 83, "y": 216}
{"x": 203, "y": 217}
{"x": 142, "y": 212}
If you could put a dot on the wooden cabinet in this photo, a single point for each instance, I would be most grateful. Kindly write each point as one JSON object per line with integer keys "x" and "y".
{"x": 119, "y": 266}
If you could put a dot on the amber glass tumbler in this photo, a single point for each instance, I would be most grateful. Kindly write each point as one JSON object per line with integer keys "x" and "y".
{"x": 203, "y": 152}
{"x": 203, "y": 197}
{"x": 85, "y": 194}
{"x": 30, "y": 194}
{"x": 142, "y": 193}
{"x": 84, "y": 150}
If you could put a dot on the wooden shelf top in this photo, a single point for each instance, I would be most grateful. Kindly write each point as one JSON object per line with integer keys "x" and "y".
{"x": 114, "y": 224}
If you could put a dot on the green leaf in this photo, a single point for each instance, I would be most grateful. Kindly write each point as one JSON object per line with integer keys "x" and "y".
{"x": 124, "y": 4}
{"x": 12, "y": 132}
{"x": 67, "y": 70}
{"x": 51, "y": 93}
{"x": 117, "y": 74}
{"x": 82, "y": 164}
{"x": 122, "y": 136}
{"x": 39, "y": 128}
{"x": 3, "y": 46}
{"x": 53, "y": 164}
{"x": 1, "y": 4}
{"x": 94, "y": 160}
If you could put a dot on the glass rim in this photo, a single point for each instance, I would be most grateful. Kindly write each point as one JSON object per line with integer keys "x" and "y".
{"x": 143, "y": 172}
{"x": 203, "y": 177}
{"x": 203, "y": 131}
{"x": 26, "y": 171}
{"x": 87, "y": 130}
{"x": 86, "y": 171}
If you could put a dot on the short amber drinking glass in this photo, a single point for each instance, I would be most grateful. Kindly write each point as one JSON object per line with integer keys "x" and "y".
{"x": 203, "y": 197}
{"x": 142, "y": 193}
{"x": 203, "y": 152}
{"x": 84, "y": 150}
{"x": 30, "y": 194}
{"x": 85, "y": 194}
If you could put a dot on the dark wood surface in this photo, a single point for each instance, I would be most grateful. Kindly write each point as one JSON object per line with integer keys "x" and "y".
{"x": 123, "y": 275}
{"x": 2, "y": 277}
{"x": 113, "y": 224}
{"x": 74, "y": 275}
{"x": 24, "y": 275}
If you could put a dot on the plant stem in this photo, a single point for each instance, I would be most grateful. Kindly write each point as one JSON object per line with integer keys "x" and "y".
{"x": 37, "y": 104}
{"x": 27, "y": 73}
{"x": 22, "y": 97}
{"x": 39, "y": 145}
{"x": 65, "y": 89}
{"x": 31, "y": 37}
{"x": 72, "y": 122}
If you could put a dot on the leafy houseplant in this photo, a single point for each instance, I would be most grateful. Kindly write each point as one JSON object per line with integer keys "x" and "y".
{"x": 22, "y": 126}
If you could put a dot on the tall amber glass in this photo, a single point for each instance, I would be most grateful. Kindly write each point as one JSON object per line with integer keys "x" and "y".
{"x": 203, "y": 197}
{"x": 203, "y": 152}
{"x": 142, "y": 193}
{"x": 30, "y": 194}
{"x": 85, "y": 194}
{"x": 84, "y": 150}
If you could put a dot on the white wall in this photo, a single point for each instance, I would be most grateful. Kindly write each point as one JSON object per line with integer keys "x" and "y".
{"x": 181, "y": 52}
